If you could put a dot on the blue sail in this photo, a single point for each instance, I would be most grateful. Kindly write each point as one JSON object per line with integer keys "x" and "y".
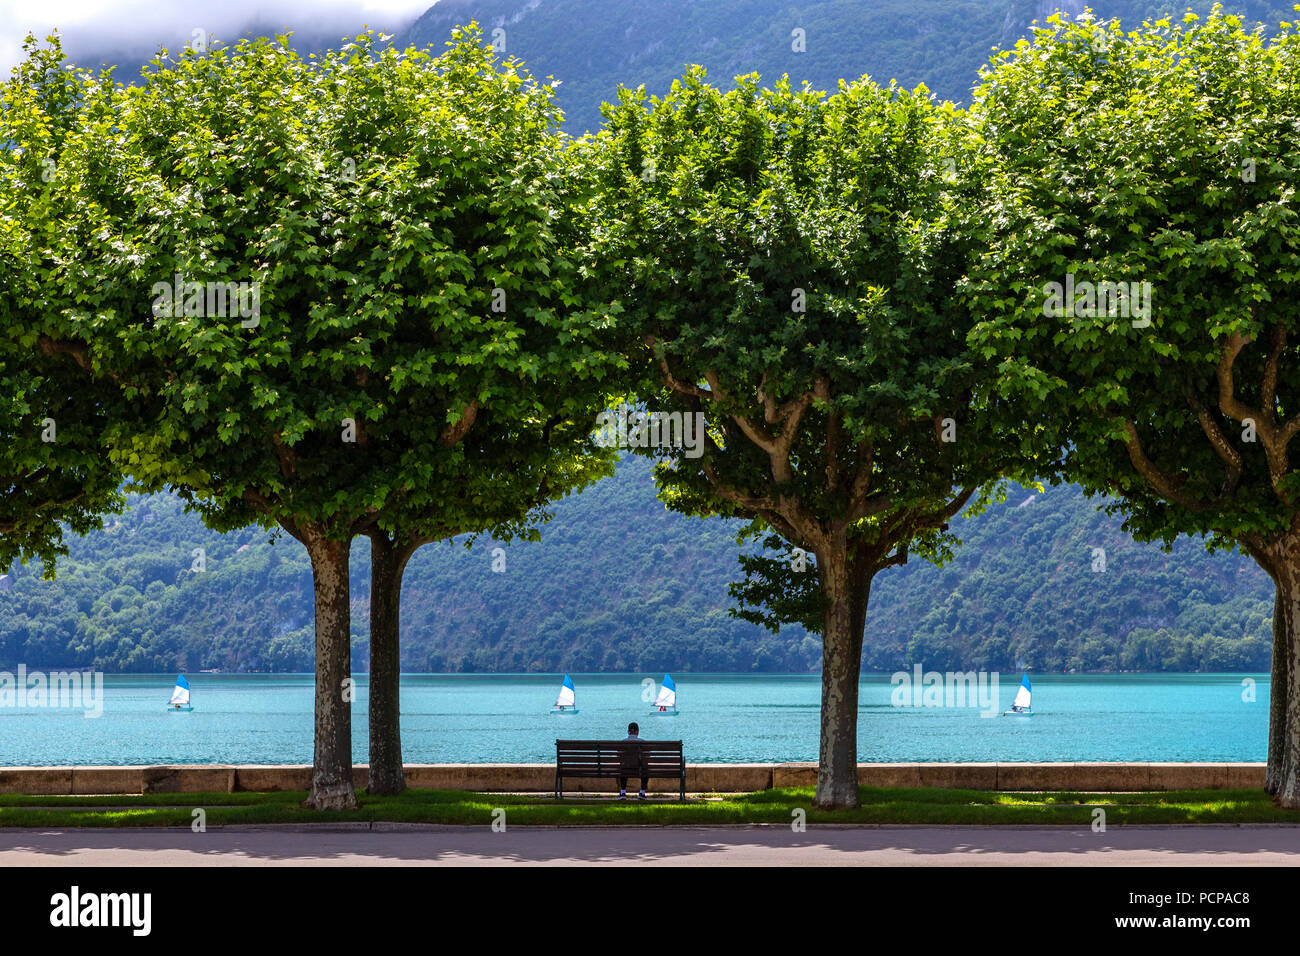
{"x": 181, "y": 693}
{"x": 1023, "y": 695}
{"x": 567, "y": 694}
{"x": 667, "y": 694}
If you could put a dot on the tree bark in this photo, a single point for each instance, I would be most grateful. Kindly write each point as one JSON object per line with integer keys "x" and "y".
{"x": 847, "y": 589}
{"x": 331, "y": 776}
{"x": 1282, "y": 780}
{"x": 387, "y": 565}
{"x": 1277, "y": 694}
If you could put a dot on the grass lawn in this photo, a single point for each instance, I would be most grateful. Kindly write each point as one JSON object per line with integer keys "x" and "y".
{"x": 928, "y": 805}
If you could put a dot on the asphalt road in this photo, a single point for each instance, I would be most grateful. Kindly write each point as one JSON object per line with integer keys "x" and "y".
{"x": 398, "y": 845}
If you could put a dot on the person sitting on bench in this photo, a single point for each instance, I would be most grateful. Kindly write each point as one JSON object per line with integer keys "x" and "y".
{"x": 632, "y": 737}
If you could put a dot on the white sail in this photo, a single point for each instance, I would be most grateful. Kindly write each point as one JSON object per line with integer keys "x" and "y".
{"x": 1022, "y": 695}
{"x": 667, "y": 693}
{"x": 181, "y": 693}
{"x": 567, "y": 696}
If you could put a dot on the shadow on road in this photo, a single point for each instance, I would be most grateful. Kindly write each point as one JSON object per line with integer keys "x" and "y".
{"x": 697, "y": 845}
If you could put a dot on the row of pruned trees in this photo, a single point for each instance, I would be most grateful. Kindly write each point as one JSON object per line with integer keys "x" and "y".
{"x": 878, "y": 307}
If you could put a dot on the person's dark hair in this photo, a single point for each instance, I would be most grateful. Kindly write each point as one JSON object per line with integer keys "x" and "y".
{"x": 632, "y": 728}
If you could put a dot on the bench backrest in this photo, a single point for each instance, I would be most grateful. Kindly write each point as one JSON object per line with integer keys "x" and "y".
{"x": 633, "y": 756}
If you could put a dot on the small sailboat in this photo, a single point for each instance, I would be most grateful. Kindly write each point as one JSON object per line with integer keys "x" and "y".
{"x": 666, "y": 702}
{"x": 1020, "y": 706}
{"x": 566, "y": 703}
{"x": 180, "y": 699}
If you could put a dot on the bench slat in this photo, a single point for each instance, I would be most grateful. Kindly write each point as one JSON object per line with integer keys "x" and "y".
{"x": 604, "y": 759}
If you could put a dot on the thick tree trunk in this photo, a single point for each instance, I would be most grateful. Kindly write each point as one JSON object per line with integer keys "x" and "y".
{"x": 847, "y": 590}
{"x": 331, "y": 777}
{"x": 387, "y": 565}
{"x": 1277, "y": 694}
{"x": 1283, "y": 775}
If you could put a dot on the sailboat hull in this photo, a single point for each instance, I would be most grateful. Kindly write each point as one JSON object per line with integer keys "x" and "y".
{"x": 180, "y": 710}
{"x": 564, "y": 713}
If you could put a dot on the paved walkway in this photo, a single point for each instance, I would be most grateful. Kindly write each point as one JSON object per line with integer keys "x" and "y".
{"x": 404, "y": 845}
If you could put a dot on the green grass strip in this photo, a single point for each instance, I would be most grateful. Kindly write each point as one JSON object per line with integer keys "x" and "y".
{"x": 879, "y": 806}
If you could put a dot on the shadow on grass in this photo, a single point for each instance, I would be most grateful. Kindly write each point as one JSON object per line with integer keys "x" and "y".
{"x": 878, "y": 806}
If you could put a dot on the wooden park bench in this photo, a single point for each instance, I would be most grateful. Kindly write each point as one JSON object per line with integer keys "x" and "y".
{"x": 601, "y": 759}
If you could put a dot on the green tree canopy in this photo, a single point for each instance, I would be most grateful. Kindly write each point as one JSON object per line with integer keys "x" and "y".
{"x": 787, "y": 265}
{"x": 54, "y": 468}
{"x": 338, "y": 287}
{"x": 1142, "y": 252}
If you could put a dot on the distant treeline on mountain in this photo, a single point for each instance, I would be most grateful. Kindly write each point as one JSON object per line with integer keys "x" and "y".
{"x": 593, "y": 46}
{"x": 618, "y": 583}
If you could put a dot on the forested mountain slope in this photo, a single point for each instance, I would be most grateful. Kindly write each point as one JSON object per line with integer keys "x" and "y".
{"x": 620, "y": 583}
{"x": 593, "y": 46}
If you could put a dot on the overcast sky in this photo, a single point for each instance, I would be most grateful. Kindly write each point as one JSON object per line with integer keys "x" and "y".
{"x": 136, "y": 28}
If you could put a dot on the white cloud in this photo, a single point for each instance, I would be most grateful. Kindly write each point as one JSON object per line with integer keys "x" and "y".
{"x": 136, "y": 28}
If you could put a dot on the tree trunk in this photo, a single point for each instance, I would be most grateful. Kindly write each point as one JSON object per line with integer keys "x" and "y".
{"x": 331, "y": 776}
{"x": 1277, "y": 694}
{"x": 847, "y": 592}
{"x": 1283, "y": 775}
{"x": 387, "y": 565}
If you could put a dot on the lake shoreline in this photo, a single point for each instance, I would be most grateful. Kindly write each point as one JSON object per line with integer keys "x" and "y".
{"x": 1126, "y": 777}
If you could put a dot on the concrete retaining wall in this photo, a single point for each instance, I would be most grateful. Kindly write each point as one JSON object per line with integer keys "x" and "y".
{"x": 700, "y": 778}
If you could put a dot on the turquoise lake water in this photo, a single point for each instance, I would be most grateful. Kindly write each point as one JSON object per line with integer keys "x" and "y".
{"x": 724, "y": 718}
